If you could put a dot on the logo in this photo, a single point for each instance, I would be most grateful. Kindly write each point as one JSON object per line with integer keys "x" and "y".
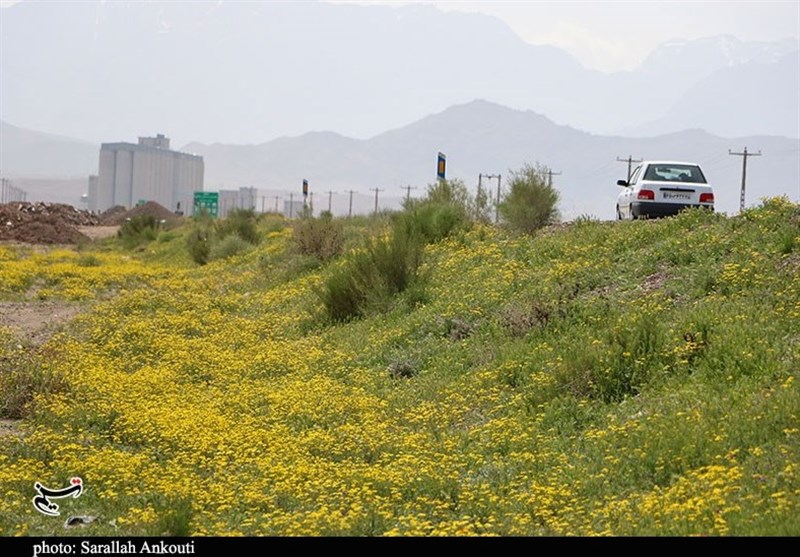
{"x": 42, "y": 501}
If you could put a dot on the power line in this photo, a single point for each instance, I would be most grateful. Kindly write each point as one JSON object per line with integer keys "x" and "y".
{"x": 630, "y": 160}
{"x": 744, "y": 156}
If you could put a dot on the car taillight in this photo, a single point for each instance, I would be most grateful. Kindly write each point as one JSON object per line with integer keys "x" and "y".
{"x": 706, "y": 198}
{"x": 646, "y": 194}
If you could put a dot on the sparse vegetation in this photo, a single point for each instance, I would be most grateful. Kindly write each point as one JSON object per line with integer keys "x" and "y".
{"x": 23, "y": 376}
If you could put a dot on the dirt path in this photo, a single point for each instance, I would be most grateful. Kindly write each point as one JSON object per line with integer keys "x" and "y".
{"x": 35, "y": 322}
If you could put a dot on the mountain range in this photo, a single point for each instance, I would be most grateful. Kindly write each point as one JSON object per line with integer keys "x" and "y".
{"x": 248, "y": 72}
{"x": 483, "y": 137}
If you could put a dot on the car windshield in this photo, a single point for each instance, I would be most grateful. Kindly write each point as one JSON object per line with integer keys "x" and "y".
{"x": 675, "y": 173}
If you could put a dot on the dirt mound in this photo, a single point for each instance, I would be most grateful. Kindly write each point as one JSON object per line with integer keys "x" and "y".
{"x": 151, "y": 208}
{"x": 110, "y": 214}
{"x": 43, "y": 223}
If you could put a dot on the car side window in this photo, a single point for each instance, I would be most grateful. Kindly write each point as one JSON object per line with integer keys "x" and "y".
{"x": 635, "y": 175}
{"x": 654, "y": 173}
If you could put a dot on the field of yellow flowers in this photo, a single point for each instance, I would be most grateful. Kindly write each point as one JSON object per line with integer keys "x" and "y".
{"x": 634, "y": 378}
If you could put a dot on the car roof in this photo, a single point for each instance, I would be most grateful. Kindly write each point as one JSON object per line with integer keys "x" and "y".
{"x": 670, "y": 162}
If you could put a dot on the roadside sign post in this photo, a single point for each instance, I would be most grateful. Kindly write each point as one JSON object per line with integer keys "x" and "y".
{"x": 206, "y": 201}
{"x": 440, "y": 166}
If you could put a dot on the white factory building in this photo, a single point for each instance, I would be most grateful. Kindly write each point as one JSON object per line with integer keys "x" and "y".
{"x": 130, "y": 173}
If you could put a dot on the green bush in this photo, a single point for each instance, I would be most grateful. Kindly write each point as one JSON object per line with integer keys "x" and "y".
{"x": 141, "y": 229}
{"x": 198, "y": 242}
{"x": 450, "y": 192}
{"x": 321, "y": 237}
{"x": 228, "y": 247}
{"x": 530, "y": 202}
{"x": 430, "y": 220}
{"x": 243, "y": 223}
{"x": 342, "y": 297}
{"x": 372, "y": 277}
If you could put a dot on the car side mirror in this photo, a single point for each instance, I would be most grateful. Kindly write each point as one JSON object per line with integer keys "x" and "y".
{"x": 622, "y": 183}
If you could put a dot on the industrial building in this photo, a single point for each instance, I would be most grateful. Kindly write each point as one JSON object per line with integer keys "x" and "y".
{"x": 243, "y": 198}
{"x": 132, "y": 173}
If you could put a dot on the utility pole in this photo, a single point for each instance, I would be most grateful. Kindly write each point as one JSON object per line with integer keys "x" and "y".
{"x": 330, "y": 198}
{"x": 350, "y": 210}
{"x": 276, "y": 202}
{"x": 408, "y": 191}
{"x": 550, "y": 175}
{"x": 630, "y": 160}
{"x": 376, "y": 190}
{"x": 263, "y": 202}
{"x": 497, "y": 203}
{"x": 291, "y": 204}
{"x": 311, "y": 207}
{"x": 744, "y": 156}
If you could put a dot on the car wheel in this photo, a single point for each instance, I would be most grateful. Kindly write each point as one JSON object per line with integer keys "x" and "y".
{"x": 619, "y": 215}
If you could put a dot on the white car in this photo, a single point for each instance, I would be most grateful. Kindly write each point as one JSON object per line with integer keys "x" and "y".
{"x": 662, "y": 188}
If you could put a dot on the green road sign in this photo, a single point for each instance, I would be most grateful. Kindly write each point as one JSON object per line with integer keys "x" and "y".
{"x": 206, "y": 201}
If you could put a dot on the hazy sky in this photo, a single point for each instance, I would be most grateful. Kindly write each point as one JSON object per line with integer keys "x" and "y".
{"x": 599, "y": 33}
{"x": 600, "y": 36}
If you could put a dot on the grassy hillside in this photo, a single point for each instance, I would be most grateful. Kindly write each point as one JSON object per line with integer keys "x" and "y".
{"x": 630, "y": 378}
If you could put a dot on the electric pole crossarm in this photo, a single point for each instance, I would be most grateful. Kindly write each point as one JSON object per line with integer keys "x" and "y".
{"x": 550, "y": 175}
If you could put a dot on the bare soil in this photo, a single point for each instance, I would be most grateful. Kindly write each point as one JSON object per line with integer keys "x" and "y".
{"x": 43, "y": 223}
{"x": 9, "y": 427}
{"x": 35, "y": 322}
{"x": 98, "y": 232}
{"x": 151, "y": 208}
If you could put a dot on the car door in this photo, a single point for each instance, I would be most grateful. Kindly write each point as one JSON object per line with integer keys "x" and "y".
{"x": 630, "y": 193}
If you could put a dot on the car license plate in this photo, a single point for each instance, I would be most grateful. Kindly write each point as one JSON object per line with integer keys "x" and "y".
{"x": 673, "y": 195}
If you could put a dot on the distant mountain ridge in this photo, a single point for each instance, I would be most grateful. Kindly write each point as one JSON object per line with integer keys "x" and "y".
{"x": 483, "y": 137}
{"x": 245, "y": 72}
{"x": 35, "y": 154}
